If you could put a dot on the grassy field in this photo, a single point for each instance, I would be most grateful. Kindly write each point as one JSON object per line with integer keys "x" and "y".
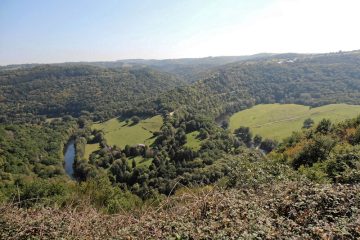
{"x": 277, "y": 121}
{"x": 140, "y": 162}
{"x": 121, "y": 133}
{"x": 192, "y": 142}
{"x": 49, "y": 120}
{"x": 89, "y": 148}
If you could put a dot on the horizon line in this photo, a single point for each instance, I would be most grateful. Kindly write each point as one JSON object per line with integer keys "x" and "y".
{"x": 180, "y": 58}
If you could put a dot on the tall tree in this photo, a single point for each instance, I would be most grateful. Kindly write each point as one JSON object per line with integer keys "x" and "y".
{"x": 244, "y": 134}
{"x": 308, "y": 123}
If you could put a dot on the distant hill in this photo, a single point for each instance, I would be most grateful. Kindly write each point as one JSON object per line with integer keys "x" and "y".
{"x": 190, "y": 69}
{"x": 312, "y": 80}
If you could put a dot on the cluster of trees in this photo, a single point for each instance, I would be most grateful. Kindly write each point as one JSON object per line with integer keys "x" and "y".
{"x": 245, "y": 136}
{"x": 326, "y": 152}
{"x": 32, "y": 151}
{"x": 170, "y": 160}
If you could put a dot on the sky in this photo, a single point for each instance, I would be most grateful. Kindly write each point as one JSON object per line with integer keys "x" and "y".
{"x": 50, "y": 31}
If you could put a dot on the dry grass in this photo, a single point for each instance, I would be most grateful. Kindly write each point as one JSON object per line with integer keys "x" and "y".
{"x": 291, "y": 210}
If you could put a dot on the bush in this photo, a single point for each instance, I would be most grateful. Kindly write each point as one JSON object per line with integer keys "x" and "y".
{"x": 268, "y": 145}
{"x": 317, "y": 149}
{"x": 43, "y": 192}
{"x": 135, "y": 120}
{"x": 251, "y": 170}
{"x": 344, "y": 165}
{"x": 324, "y": 126}
{"x": 101, "y": 194}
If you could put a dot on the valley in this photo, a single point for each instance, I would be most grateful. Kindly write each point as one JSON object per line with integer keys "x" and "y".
{"x": 148, "y": 136}
{"x": 180, "y": 120}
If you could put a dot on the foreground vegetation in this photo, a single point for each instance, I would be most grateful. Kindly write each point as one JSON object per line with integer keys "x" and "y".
{"x": 278, "y": 121}
{"x": 282, "y": 211}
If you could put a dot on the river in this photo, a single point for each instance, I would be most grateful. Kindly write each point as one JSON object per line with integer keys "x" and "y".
{"x": 69, "y": 158}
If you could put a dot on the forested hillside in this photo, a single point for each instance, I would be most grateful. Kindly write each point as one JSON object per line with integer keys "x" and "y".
{"x": 312, "y": 80}
{"x": 30, "y": 150}
{"x": 188, "y": 69}
{"x": 55, "y": 91}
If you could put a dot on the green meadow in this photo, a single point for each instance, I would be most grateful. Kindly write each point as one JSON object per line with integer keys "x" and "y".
{"x": 193, "y": 142}
{"x": 121, "y": 133}
{"x": 278, "y": 121}
{"x": 89, "y": 148}
{"x": 141, "y": 162}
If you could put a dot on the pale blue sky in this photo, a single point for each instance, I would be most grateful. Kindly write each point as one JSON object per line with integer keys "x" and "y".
{"x": 45, "y": 31}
